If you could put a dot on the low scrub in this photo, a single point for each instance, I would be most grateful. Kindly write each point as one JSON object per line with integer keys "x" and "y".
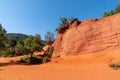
{"x": 62, "y": 28}
{"x": 5, "y": 53}
{"x": 45, "y": 59}
{"x": 115, "y": 66}
{"x": 24, "y": 59}
{"x": 2, "y": 64}
{"x": 65, "y": 23}
{"x": 35, "y": 60}
{"x": 30, "y": 60}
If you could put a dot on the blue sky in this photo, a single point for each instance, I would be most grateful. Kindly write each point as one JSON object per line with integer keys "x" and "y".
{"x": 40, "y": 16}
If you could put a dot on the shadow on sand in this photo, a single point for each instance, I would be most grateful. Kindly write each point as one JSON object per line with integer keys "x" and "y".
{"x": 12, "y": 63}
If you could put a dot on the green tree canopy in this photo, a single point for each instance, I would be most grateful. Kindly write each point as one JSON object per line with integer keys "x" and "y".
{"x": 49, "y": 37}
{"x": 19, "y": 48}
{"x": 32, "y": 43}
{"x": 64, "y": 21}
{"x": 16, "y": 36}
{"x": 112, "y": 12}
{"x": 105, "y": 14}
{"x": 2, "y": 37}
{"x": 117, "y": 9}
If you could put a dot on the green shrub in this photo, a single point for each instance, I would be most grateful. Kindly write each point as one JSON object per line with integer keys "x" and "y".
{"x": 2, "y": 64}
{"x": 62, "y": 29}
{"x": 115, "y": 65}
{"x": 38, "y": 60}
{"x": 45, "y": 59}
{"x": 30, "y": 60}
{"x": 24, "y": 59}
{"x": 112, "y": 12}
{"x": 64, "y": 24}
{"x": 50, "y": 52}
{"x": 5, "y": 53}
{"x": 35, "y": 60}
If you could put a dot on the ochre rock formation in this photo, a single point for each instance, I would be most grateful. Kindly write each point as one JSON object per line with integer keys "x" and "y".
{"x": 92, "y": 35}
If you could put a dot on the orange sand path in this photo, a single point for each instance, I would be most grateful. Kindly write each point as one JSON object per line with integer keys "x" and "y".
{"x": 60, "y": 69}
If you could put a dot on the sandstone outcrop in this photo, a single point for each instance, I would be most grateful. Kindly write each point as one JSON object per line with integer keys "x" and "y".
{"x": 92, "y": 35}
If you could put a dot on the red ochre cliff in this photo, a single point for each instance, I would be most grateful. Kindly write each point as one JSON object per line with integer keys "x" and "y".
{"x": 89, "y": 36}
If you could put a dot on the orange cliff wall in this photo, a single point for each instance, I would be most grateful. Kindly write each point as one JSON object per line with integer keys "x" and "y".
{"x": 92, "y": 35}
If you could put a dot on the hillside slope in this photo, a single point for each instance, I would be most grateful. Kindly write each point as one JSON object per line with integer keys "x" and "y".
{"x": 92, "y": 35}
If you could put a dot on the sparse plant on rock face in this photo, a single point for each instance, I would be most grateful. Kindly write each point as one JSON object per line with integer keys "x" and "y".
{"x": 115, "y": 66}
{"x": 47, "y": 55}
{"x": 64, "y": 21}
{"x": 105, "y": 14}
{"x": 112, "y": 12}
{"x": 64, "y": 24}
{"x": 62, "y": 29}
{"x": 50, "y": 52}
{"x": 117, "y": 9}
{"x": 45, "y": 59}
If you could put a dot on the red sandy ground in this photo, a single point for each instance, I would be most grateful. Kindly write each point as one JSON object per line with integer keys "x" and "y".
{"x": 67, "y": 68}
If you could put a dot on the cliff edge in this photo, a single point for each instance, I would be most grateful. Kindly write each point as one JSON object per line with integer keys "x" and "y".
{"x": 89, "y": 36}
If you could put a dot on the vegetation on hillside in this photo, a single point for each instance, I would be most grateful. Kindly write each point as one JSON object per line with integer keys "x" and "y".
{"x": 31, "y": 44}
{"x": 49, "y": 37}
{"x": 64, "y": 24}
{"x": 112, "y": 12}
{"x": 16, "y": 36}
{"x": 13, "y": 44}
{"x": 2, "y": 37}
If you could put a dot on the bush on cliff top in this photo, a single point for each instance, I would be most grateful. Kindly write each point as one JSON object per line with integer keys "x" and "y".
{"x": 64, "y": 24}
{"x": 112, "y": 12}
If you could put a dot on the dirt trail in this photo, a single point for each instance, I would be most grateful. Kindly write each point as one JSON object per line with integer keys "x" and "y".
{"x": 60, "y": 69}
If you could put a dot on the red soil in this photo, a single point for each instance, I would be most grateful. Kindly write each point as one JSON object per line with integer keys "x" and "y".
{"x": 83, "y": 67}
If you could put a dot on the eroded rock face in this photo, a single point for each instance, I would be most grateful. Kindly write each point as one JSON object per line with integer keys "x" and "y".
{"x": 92, "y": 35}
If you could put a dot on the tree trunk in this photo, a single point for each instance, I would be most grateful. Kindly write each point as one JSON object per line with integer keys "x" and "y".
{"x": 31, "y": 54}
